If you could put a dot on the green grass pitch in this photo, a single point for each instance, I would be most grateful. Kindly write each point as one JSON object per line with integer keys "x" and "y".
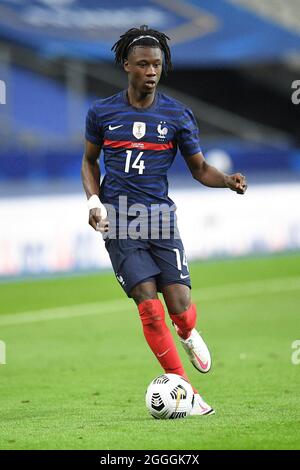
{"x": 77, "y": 365}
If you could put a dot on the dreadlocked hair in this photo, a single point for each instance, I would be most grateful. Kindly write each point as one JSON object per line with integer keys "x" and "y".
{"x": 124, "y": 45}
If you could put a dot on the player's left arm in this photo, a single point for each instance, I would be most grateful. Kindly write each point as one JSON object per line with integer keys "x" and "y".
{"x": 212, "y": 177}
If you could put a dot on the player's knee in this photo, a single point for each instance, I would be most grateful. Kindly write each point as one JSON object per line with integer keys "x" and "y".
{"x": 142, "y": 292}
{"x": 141, "y": 296}
{"x": 179, "y": 304}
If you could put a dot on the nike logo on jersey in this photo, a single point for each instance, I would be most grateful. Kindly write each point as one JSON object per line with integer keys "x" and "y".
{"x": 184, "y": 277}
{"x": 112, "y": 128}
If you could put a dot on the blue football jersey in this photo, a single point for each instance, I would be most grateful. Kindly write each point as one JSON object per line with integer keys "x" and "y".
{"x": 140, "y": 145}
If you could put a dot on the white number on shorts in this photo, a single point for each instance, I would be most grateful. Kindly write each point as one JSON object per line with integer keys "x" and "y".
{"x": 138, "y": 164}
{"x": 178, "y": 260}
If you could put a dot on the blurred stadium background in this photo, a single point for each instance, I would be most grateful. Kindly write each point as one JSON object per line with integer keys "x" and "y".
{"x": 235, "y": 62}
{"x": 235, "y": 65}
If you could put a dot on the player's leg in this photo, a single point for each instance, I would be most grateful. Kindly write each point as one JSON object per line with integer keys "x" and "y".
{"x": 159, "y": 337}
{"x": 178, "y": 301}
{"x": 156, "y": 332}
{"x": 184, "y": 315}
{"x": 136, "y": 272}
{"x": 174, "y": 282}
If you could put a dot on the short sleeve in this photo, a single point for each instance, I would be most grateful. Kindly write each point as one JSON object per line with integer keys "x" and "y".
{"x": 188, "y": 134}
{"x": 93, "y": 130}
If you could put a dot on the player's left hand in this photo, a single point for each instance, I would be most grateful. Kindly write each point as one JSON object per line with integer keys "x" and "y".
{"x": 237, "y": 183}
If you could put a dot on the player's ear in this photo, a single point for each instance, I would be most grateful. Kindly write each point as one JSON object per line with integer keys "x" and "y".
{"x": 126, "y": 65}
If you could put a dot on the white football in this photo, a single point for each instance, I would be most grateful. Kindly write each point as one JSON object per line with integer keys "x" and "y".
{"x": 169, "y": 396}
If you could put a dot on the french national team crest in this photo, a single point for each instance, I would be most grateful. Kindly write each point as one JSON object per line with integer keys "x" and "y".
{"x": 139, "y": 129}
{"x": 162, "y": 130}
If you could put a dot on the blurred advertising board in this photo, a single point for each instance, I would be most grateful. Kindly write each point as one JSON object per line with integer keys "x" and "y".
{"x": 50, "y": 234}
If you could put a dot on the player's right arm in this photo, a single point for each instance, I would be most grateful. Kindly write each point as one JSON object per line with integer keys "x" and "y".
{"x": 90, "y": 175}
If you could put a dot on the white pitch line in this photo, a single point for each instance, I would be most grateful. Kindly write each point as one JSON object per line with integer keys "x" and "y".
{"x": 67, "y": 311}
{"x": 229, "y": 291}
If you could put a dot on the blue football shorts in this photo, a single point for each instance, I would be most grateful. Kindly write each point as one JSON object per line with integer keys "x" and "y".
{"x": 136, "y": 261}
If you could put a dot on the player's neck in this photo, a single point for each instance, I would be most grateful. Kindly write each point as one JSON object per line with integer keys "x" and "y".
{"x": 138, "y": 99}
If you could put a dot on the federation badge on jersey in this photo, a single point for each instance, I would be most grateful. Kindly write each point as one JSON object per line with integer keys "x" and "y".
{"x": 162, "y": 130}
{"x": 139, "y": 129}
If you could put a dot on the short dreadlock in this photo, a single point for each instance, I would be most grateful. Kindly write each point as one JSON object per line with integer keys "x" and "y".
{"x": 129, "y": 40}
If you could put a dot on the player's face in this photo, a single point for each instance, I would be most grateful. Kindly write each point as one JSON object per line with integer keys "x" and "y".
{"x": 144, "y": 67}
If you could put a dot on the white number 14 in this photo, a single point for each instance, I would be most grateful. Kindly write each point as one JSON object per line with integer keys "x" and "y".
{"x": 178, "y": 260}
{"x": 138, "y": 164}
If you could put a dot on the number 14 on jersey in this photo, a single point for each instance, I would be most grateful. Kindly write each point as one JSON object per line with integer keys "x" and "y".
{"x": 138, "y": 164}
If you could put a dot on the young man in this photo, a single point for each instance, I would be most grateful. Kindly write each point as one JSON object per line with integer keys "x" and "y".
{"x": 140, "y": 131}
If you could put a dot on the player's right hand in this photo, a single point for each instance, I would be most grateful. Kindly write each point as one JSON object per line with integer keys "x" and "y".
{"x": 98, "y": 223}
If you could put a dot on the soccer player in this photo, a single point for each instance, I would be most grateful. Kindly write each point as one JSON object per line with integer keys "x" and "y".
{"x": 140, "y": 130}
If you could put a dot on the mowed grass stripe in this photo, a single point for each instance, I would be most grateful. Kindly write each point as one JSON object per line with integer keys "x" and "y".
{"x": 234, "y": 290}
